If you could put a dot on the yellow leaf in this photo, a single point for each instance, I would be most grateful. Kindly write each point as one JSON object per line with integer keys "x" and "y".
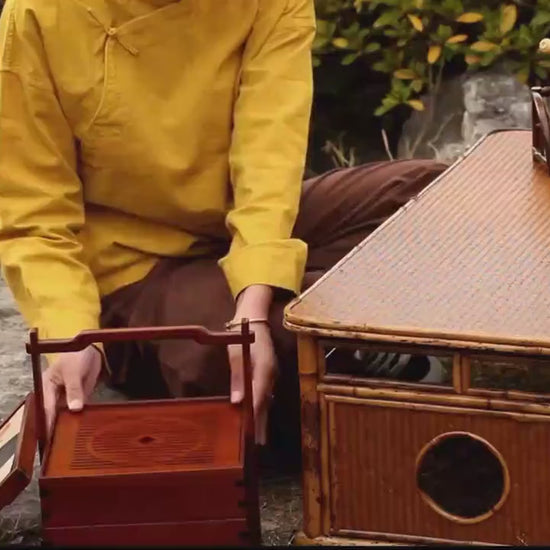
{"x": 470, "y": 17}
{"x": 434, "y": 53}
{"x": 404, "y": 74}
{"x": 419, "y": 4}
{"x": 483, "y": 46}
{"x": 457, "y": 38}
{"x": 508, "y": 18}
{"x": 340, "y": 42}
{"x": 472, "y": 59}
{"x": 416, "y": 22}
{"x": 416, "y": 104}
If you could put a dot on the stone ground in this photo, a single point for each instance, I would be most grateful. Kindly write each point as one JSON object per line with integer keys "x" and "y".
{"x": 20, "y": 522}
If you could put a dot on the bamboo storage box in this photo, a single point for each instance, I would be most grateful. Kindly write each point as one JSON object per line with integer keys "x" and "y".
{"x": 169, "y": 472}
{"x": 461, "y": 272}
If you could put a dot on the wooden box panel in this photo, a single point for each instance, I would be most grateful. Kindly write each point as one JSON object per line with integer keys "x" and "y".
{"x": 207, "y": 533}
{"x": 373, "y": 450}
{"x": 144, "y": 498}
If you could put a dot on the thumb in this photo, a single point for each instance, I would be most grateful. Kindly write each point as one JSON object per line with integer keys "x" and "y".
{"x": 73, "y": 389}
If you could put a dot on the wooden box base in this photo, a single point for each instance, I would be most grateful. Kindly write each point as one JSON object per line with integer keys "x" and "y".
{"x": 199, "y": 533}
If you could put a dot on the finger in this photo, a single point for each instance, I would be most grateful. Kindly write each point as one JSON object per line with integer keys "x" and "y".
{"x": 51, "y": 394}
{"x": 263, "y": 390}
{"x": 263, "y": 383}
{"x": 261, "y": 427}
{"x": 90, "y": 381}
{"x": 237, "y": 383}
{"x": 73, "y": 388}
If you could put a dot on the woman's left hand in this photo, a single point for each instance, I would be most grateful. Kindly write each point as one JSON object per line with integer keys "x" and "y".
{"x": 254, "y": 304}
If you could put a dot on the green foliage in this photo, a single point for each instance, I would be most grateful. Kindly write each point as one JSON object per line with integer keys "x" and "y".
{"x": 414, "y": 42}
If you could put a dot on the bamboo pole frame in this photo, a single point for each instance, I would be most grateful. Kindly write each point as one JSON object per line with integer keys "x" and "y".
{"x": 309, "y": 368}
{"x": 442, "y": 408}
{"x": 519, "y": 348}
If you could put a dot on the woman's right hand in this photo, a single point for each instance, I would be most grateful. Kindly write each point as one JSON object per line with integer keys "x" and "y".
{"x": 71, "y": 378}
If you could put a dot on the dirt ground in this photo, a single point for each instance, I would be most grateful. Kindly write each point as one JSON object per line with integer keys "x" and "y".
{"x": 19, "y": 523}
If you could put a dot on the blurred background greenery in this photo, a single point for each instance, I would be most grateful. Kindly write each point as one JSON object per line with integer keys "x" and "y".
{"x": 376, "y": 58}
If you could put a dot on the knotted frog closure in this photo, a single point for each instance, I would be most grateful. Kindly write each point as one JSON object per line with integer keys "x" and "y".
{"x": 113, "y": 33}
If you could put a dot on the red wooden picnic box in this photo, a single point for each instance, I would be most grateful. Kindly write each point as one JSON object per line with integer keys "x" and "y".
{"x": 178, "y": 472}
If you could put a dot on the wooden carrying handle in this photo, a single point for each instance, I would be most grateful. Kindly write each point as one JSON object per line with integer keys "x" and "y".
{"x": 86, "y": 338}
{"x": 35, "y": 347}
{"x": 541, "y": 125}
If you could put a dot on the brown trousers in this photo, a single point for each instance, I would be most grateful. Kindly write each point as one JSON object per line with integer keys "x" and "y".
{"x": 338, "y": 210}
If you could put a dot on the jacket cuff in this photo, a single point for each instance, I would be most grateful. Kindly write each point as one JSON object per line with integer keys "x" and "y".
{"x": 279, "y": 264}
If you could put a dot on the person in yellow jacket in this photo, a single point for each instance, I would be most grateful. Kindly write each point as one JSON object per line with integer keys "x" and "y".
{"x": 152, "y": 156}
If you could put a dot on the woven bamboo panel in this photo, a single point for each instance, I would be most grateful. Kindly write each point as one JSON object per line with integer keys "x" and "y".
{"x": 469, "y": 259}
{"x": 374, "y": 451}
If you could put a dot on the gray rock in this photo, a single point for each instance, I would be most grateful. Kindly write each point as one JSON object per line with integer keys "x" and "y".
{"x": 493, "y": 102}
{"x": 465, "y": 110}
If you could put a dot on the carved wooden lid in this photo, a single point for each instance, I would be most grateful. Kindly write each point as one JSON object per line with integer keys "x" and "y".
{"x": 465, "y": 263}
{"x": 147, "y": 436}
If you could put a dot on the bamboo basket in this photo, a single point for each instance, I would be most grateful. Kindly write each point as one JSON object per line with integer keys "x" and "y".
{"x": 460, "y": 272}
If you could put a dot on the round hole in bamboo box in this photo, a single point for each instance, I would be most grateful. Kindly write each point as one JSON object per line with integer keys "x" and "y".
{"x": 462, "y": 477}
